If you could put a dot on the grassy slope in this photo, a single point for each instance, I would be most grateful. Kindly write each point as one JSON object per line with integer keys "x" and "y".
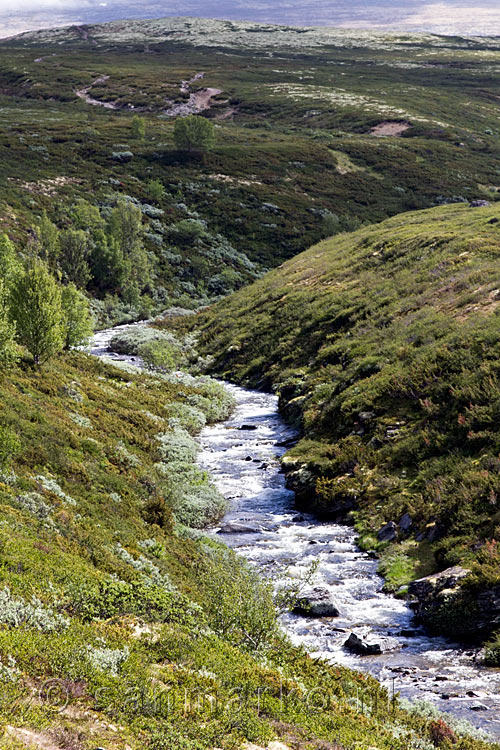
{"x": 384, "y": 344}
{"x": 127, "y": 666}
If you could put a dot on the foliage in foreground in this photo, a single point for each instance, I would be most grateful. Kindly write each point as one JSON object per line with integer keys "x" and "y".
{"x": 118, "y": 630}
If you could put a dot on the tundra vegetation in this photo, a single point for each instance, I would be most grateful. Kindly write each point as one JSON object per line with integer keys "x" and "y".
{"x": 123, "y": 625}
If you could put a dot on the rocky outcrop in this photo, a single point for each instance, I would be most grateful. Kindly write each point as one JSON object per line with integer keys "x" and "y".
{"x": 370, "y": 645}
{"x": 432, "y": 592}
{"x": 301, "y": 481}
{"x": 488, "y": 604}
{"x": 427, "y": 590}
{"x": 316, "y": 603}
{"x": 442, "y": 603}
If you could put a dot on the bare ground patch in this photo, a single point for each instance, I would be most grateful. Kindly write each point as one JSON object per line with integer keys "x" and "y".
{"x": 390, "y": 128}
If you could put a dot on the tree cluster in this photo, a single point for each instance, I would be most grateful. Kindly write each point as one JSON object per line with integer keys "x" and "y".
{"x": 102, "y": 255}
{"x": 36, "y": 310}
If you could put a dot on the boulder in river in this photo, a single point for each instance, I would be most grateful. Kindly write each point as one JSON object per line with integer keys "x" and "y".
{"x": 388, "y": 533}
{"x": 247, "y": 427}
{"x": 235, "y": 527}
{"x": 316, "y": 603}
{"x": 370, "y": 645}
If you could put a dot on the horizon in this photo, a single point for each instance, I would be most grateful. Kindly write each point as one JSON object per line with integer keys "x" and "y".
{"x": 444, "y": 17}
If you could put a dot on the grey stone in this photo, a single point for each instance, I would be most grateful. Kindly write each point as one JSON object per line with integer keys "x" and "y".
{"x": 233, "y": 527}
{"x": 316, "y": 603}
{"x": 405, "y": 522}
{"x": 370, "y": 645}
{"x": 366, "y": 416}
{"x": 387, "y": 533}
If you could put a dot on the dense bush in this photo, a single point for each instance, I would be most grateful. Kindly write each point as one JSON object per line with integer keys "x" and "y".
{"x": 189, "y": 491}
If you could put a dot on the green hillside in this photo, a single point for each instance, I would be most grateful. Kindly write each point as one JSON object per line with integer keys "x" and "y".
{"x": 122, "y": 628}
{"x": 325, "y": 131}
{"x": 384, "y": 347}
{"x": 122, "y": 624}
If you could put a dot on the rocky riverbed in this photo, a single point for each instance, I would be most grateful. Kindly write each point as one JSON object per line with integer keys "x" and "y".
{"x": 348, "y": 618}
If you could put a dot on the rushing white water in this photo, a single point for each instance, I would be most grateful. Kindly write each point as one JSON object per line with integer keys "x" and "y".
{"x": 245, "y": 466}
{"x": 263, "y": 526}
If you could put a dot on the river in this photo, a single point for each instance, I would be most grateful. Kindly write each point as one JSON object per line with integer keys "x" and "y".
{"x": 263, "y": 526}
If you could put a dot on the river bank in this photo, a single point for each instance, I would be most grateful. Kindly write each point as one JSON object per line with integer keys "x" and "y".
{"x": 243, "y": 456}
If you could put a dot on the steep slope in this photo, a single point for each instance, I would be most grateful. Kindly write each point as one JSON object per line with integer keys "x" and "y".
{"x": 384, "y": 346}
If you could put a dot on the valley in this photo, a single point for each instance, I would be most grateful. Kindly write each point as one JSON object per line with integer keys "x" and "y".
{"x": 249, "y": 345}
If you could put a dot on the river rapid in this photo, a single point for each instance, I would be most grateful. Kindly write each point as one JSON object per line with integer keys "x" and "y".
{"x": 245, "y": 465}
{"x": 263, "y": 526}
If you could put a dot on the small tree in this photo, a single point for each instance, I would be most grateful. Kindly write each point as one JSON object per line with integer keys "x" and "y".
{"x": 8, "y": 348}
{"x": 48, "y": 240}
{"x": 194, "y": 133}
{"x": 36, "y": 309}
{"x": 78, "y": 324}
{"x": 138, "y": 127}
{"x": 126, "y": 234}
{"x": 156, "y": 190}
{"x": 75, "y": 249}
{"x": 10, "y": 265}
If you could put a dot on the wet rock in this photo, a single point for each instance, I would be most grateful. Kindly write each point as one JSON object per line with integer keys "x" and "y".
{"x": 405, "y": 522}
{"x": 234, "y": 527}
{"x": 370, "y": 645}
{"x": 406, "y": 633}
{"x": 428, "y": 595}
{"x": 247, "y": 427}
{"x": 313, "y": 541}
{"x": 286, "y": 443}
{"x": 478, "y": 707}
{"x": 299, "y": 518}
{"x": 471, "y": 694}
{"x": 387, "y": 533}
{"x": 248, "y": 458}
{"x": 316, "y": 603}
